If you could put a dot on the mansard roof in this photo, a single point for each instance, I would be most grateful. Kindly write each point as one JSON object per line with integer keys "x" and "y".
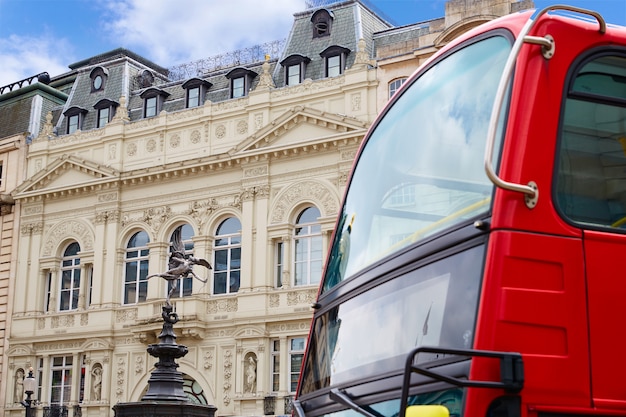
{"x": 116, "y": 54}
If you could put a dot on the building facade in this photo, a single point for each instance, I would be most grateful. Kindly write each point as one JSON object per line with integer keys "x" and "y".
{"x": 247, "y": 160}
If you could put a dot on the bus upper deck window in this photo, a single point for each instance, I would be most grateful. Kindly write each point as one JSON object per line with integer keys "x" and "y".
{"x": 592, "y": 156}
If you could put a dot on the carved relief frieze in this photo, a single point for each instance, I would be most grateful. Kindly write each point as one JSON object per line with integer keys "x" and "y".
{"x": 195, "y": 137}
{"x": 155, "y": 216}
{"x": 65, "y": 229}
{"x": 123, "y": 316}
{"x": 104, "y": 217}
{"x": 58, "y": 346}
{"x": 258, "y": 121}
{"x": 66, "y": 320}
{"x": 355, "y": 99}
{"x": 207, "y": 359}
{"x": 174, "y": 141}
{"x": 232, "y": 104}
{"x": 242, "y": 127}
{"x": 112, "y": 151}
{"x": 34, "y": 228}
{"x": 33, "y": 209}
{"x": 84, "y": 319}
{"x": 139, "y": 365}
{"x": 220, "y": 131}
{"x": 228, "y": 305}
{"x": 152, "y": 121}
{"x": 308, "y": 86}
{"x": 200, "y": 210}
{"x": 79, "y": 136}
{"x": 247, "y": 194}
{"x": 255, "y": 171}
{"x": 301, "y": 297}
{"x": 107, "y": 197}
{"x": 151, "y": 145}
{"x": 300, "y": 191}
{"x": 184, "y": 114}
{"x": 131, "y": 149}
{"x": 121, "y": 377}
{"x": 288, "y": 327}
{"x": 348, "y": 155}
{"x": 41, "y": 323}
{"x": 228, "y": 373}
{"x": 274, "y": 300}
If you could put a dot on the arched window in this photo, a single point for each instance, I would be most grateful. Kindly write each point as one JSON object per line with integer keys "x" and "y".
{"x": 184, "y": 285}
{"x": 308, "y": 248}
{"x": 395, "y": 85}
{"x": 227, "y": 257}
{"x": 70, "y": 278}
{"x": 136, "y": 272}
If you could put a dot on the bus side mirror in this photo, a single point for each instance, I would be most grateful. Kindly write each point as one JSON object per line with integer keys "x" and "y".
{"x": 427, "y": 411}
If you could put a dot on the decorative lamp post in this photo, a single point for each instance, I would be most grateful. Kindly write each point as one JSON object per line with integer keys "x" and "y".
{"x": 29, "y": 388}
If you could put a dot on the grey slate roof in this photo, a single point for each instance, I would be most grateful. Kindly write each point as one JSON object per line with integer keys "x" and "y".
{"x": 352, "y": 20}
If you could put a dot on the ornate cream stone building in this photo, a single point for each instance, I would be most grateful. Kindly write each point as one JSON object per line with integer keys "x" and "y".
{"x": 247, "y": 158}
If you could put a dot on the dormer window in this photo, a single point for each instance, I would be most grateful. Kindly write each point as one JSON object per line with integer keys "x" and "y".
{"x": 195, "y": 90}
{"x": 75, "y": 116}
{"x": 322, "y": 21}
{"x": 334, "y": 60}
{"x": 240, "y": 81}
{"x": 153, "y": 99}
{"x": 98, "y": 78}
{"x": 295, "y": 66}
{"x": 106, "y": 110}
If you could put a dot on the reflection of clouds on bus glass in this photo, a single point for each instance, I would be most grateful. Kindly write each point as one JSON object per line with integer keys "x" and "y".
{"x": 402, "y": 318}
{"x": 423, "y": 164}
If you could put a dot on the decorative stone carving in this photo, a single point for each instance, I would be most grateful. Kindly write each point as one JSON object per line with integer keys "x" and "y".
{"x": 67, "y": 228}
{"x": 242, "y": 127}
{"x": 298, "y": 192}
{"x": 121, "y": 113}
{"x": 208, "y": 360}
{"x": 250, "y": 373}
{"x": 265, "y": 80}
{"x": 301, "y": 297}
{"x": 274, "y": 300}
{"x": 194, "y": 137}
{"x": 228, "y": 371}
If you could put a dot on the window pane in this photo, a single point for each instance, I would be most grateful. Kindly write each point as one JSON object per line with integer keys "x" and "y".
{"x": 219, "y": 283}
{"x": 193, "y": 97}
{"x": 151, "y": 106}
{"x": 293, "y": 75}
{"x": 235, "y": 258}
{"x": 234, "y": 281}
{"x": 221, "y": 260}
{"x": 238, "y": 87}
{"x": 334, "y": 65}
{"x": 103, "y": 117}
{"x": 72, "y": 124}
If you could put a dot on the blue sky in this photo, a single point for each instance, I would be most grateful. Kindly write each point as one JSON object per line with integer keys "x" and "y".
{"x": 48, "y": 35}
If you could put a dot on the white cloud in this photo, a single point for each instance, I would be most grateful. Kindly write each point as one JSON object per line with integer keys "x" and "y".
{"x": 24, "y": 56}
{"x": 170, "y": 33}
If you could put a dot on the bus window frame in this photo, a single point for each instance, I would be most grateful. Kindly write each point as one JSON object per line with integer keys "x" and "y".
{"x": 574, "y": 69}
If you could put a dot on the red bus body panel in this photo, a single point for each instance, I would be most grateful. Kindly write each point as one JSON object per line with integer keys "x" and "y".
{"x": 551, "y": 291}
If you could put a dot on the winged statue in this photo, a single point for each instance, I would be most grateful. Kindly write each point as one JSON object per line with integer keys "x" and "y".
{"x": 180, "y": 264}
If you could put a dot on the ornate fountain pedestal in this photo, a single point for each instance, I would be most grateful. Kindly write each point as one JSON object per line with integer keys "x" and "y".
{"x": 165, "y": 396}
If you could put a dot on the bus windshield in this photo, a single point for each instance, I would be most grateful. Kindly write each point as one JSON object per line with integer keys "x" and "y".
{"x": 421, "y": 168}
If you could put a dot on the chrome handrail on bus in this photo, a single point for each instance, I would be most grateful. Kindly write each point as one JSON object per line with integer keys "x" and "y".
{"x": 530, "y": 190}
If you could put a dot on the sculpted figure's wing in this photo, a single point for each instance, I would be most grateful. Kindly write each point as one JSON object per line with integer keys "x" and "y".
{"x": 204, "y": 263}
{"x": 178, "y": 249}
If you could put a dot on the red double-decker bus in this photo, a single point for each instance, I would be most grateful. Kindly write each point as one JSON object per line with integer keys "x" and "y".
{"x": 478, "y": 266}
